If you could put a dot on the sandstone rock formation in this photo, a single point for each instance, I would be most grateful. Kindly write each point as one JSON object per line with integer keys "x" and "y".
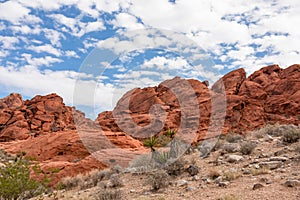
{"x": 269, "y": 95}
{"x": 45, "y": 128}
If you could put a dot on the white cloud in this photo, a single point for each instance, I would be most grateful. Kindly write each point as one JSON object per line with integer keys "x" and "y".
{"x": 30, "y": 82}
{"x": 13, "y": 11}
{"x": 2, "y": 26}
{"x": 47, "y": 48}
{"x": 8, "y": 42}
{"x": 16, "y": 13}
{"x": 68, "y": 22}
{"x": 3, "y": 53}
{"x": 54, "y": 36}
{"x": 163, "y": 63}
{"x": 46, "y": 5}
{"x": 211, "y": 23}
{"x": 75, "y": 26}
{"x": 24, "y": 29}
{"x": 94, "y": 26}
{"x": 90, "y": 27}
{"x": 41, "y": 61}
{"x": 71, "y": 54}
{"x": 127, "y": 21}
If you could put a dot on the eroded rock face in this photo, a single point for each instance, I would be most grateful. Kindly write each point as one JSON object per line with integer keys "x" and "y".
{"x": 271, "y": 94}
{"x": 57, "y": 136}
{"x": 21, "y": 119}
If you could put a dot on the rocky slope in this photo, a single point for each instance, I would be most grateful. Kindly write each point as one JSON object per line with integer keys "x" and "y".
{"x": 45, "y": 128}
{"x": 267, "y": 170}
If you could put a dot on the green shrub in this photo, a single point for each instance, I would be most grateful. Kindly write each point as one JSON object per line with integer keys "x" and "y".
{"x": 15, "y": 181}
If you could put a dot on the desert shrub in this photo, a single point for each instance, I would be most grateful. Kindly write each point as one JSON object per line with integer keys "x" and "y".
{"x": 229, "y": 197}
{"x": 297, "y": 149}
{"x": 233, "y": 137}
{"x": 278, "y": 130}
{"x": 117, "y": 169}
{"x": 259, "y": 171}
{"x": 291, "y": 135}
{"x": 213, "y": 174}
{"x": 69, "y": 183}
{"x": 229, "y": 148}
{"x": 219, "y": 144}
{"x": 95, "y": 176}
{"x": 4, "y": 156}
{"x": 85, "y": 181}
{"x": 109, "y": 194}
{"x": 175, "y": 167}
{"x": 231, "y": 175}
{"x": 247, "y": 147}
{"x": 141, "y": 161}
{"x": 158, "y": 179}
{"x": 115, "y": 180}
{"x": 207, "y": 146}
{"x": 161, "y": 157}
{"x": 270, "y": 129}
{"x": 15, "y": 181}
{"x": 193, "y": 170}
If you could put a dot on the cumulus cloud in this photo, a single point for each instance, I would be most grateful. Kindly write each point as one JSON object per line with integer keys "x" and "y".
{"x": 30, "y": 82}
{"x": 159, "y": 62}
{"x": 13, "y": 12}
{"x": 249, "y": 34}
{"x": 40, "y": 61}
{"x": 213, "y": 23}
{"x": 54, "y": 36}
{"x": 45, "y": 49}
{"x": 127, "y": 21}
{"x": 76, "y": 27}
{"x": 71, "y": 54}
{"x": 8, "y": 42}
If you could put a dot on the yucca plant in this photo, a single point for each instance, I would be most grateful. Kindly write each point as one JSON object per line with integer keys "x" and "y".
{"x": 170, "y": 133}
{"x": 151, "y": 142}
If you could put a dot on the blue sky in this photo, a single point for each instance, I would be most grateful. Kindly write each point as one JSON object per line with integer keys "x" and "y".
{"x": 91, "y": 51}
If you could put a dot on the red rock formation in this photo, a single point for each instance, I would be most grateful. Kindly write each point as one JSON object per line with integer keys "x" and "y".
{"x": 44, "y": 127}
{"x": 268, "y": 95}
